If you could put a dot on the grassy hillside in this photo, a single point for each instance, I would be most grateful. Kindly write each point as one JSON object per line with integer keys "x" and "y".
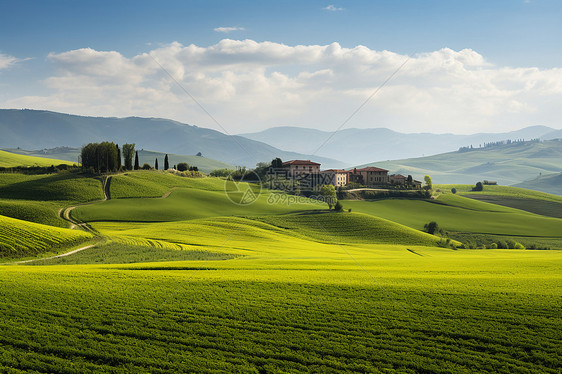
{"x": 551, "y": 183}
{"x": 156, "y": 184}
{"x": 463, "y": 215}
{"x": 8, "y": 160}
{"x": 20, "y": 238}
{"x": 507, "y": 164}
{"x": 206, "y": 165}
{"x": 182, "y": 204}
{"x": 67, "y": 186}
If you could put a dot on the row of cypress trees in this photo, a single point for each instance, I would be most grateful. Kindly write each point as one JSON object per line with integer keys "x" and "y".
{"x": 106, "y": 157}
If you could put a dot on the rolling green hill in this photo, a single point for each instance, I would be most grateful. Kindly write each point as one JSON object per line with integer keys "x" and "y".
{"x": 506, "y": 164}
{"x": 551, "y": 183}
{"x": 8, "y": 160}
{"x": 20, "y": 238}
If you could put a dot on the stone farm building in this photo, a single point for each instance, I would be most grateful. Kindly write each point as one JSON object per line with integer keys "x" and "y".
{"x": 309, "y": 173}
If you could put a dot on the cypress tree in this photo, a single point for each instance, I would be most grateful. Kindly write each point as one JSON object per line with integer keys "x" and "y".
{"x": 136, "y": 160}
{"x": 156, "y": 163}
{"x": 118, "y": 157}
{"x": 166, "y": 163}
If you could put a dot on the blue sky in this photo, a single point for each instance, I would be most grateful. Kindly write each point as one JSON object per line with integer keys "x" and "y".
{"x": 514, "y": 34}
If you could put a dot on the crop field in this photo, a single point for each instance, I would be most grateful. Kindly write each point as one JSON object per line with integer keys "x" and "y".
{"x": 8, "y": 160}
{"x": 440, "y": 311}
{"x": 186, "y": 281}
{"x": 20, "y": 238}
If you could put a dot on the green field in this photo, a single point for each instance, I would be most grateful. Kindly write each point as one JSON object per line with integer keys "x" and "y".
{"x": 187, "y": 281}
{"x": 8, "y": 160}
{"x": 20, "y": 238}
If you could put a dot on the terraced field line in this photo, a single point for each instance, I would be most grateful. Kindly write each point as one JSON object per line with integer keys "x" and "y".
{"x": 49, "y": 258}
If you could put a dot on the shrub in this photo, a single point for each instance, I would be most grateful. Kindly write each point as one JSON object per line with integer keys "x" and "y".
{"x": 146, "y": 167}
{"x": 431, "y": 227}
{"x": 478, "y": 187}
{"x": 519, "y": 246}
{"x": 182, "y": 166}
{"x": 454, "y": 190}
{"x": 493, "y": 246}
{"x": 338, "y": 207}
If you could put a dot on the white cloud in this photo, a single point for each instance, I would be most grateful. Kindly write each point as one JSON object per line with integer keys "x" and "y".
{"x": 332, "y": 8}
{"x": 249, "y": 85}
{"x": 227, "y": 30}
{"x": 7, "y": 61}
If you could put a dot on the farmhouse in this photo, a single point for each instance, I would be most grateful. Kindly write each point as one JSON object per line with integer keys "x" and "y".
{"x": 308, "y": 173}
{"x": 301, "y": 168}
{"x": 336, "y": 177}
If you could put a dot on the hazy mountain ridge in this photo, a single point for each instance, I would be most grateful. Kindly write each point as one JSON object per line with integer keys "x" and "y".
{"x": 359, "y": 146}
{"x": 35, "y": 129}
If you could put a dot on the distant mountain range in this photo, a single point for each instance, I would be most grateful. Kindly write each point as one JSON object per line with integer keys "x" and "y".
{"x": 37, "y": 129}
{"x": 507, "y": 164}
{"x": 359, "y": 146}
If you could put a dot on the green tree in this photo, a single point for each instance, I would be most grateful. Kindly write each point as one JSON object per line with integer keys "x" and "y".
{"x": 101, "y": 157}
{"x": 183, "y": 166}
{"x": 478, "y": 187}
{"x": 118, "y": 157}
{"x": 276, "y": 163}
{"x": 431, "y": 227}
{"x": 136, "y": 160}
{"x": 338, "y": 207}
{"x": 156, "y": 163}
{"x": 428, "y": 183}
{"x": 328, "y": 193}
{"x": 128, "y": 153}
{"x": 166, "y": 162}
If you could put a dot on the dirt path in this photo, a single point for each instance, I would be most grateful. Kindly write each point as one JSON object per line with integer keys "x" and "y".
{"x": 49, "y": 258}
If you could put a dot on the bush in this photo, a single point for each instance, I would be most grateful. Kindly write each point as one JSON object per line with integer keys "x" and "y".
{"x": 146, "y": 167}
{"x": 454, "y": 190}
{"x": 182, "y": 166}
{"x": 478, "y": 187}
{"x": 338, "y": 207}
{"x": 519, "y": 246}
{"x": 493, "y": 246}
{"x": 431, "y": 227}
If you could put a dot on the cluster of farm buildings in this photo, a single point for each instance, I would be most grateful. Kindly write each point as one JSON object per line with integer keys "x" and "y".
{"x": 309, "y": 171}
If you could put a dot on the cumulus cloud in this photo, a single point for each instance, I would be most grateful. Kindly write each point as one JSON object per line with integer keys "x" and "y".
{"x": 227, "y": 30}
{"x": 333, "y": 8}
{"x": 249, "y": 85}
{"x": 7, "y": 61}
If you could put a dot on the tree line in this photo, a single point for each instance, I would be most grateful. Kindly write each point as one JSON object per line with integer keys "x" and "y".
{"x": 107, "y": 157}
